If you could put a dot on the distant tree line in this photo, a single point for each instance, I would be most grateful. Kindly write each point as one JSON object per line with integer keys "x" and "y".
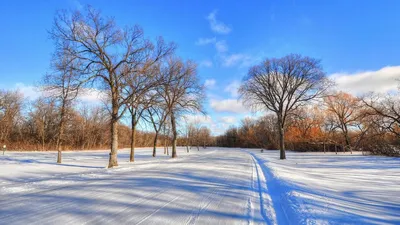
{"x": 340, "y": 123}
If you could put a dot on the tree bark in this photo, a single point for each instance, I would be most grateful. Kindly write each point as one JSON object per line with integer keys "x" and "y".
{"x": 114, "y": 136}
{"x": 281, "y": 139}
{"x": 174, "y": 134}
{"x": 133, "y": 135}
{"x": 43, "y": 132}
{"x": 60, "y": 132}
{"x": 155, "y": 144}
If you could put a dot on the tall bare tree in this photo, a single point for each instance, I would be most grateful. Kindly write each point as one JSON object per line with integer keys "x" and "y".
{"x": 181, "y": 91}
{"x": 281, "y": 85}
{"x": 140, "y": 86}
{"x": 62, "y": 84}
{"x": 107, "y": 55}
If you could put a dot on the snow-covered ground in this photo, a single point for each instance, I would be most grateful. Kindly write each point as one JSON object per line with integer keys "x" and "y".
{"x": 210, "y": 186}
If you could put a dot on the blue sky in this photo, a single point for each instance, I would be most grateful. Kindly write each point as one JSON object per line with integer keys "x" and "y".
{"x": 357, "y": 41}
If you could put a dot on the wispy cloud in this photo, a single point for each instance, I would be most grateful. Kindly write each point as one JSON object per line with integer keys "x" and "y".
{"x": 210, "y": 83}
{"x": 238, "y": 59}
{"x": 206, "y": 41}
{"x": 217, "y": 26}
{"x": 206, "y": 63}
{"x": 29, "y": 92}
{"x": 379, "y": 81}
{"x": 233, "y": 88}
{"x": 87, "y": 95}
{"x": 221, "y": 46}
{"x": 76, "y": 4}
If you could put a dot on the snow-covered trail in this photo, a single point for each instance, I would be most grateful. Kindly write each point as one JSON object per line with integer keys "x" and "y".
{"x": 318, "y": 188}
{"x": 206, "y": 187}
{"x": 210, "y": 186}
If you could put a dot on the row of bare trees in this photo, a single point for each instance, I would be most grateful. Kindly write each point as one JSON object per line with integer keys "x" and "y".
{"x": 341, "y": 122}
{"x": 307, "y": 115}
{"x": 34, "y": 125}
{"x": 196, "y": 135}
{"x": 138, "y": 77}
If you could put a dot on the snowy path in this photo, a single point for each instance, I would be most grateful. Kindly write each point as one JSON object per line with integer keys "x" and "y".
{"x": 206, "y": 187}
{"x": 212, "y": 186}
{"x": 317, "y": 188}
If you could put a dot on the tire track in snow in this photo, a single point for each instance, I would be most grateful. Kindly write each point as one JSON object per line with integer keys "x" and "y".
{"x": 206, "y": 202}
{"x": 154, "y": 212}
{"x": 269, "y": 201}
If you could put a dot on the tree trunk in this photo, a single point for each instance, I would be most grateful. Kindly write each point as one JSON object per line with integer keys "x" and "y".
{"x": 43, "y": 136}
{"x": 336, "y": 149}
{"x": 60, "y": 132}
{"x": 187, "y": 143}
{"x": 155, "y": 144}
{"x": 324, "y": 147}
{"x": 347, "y": 139}
{"x": 114, "y": 138}
{"x": 174, "y": 134}
{"x": 281, "y": 139}
{"x": 133, "y": 135}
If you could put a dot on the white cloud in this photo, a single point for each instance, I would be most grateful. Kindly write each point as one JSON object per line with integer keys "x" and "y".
{"x": 206, "y": 41}
{"x": 217, "y": 26}
{"x": 233, "y": 88}
{"x": 228, "y": 119}
{"x": 91, "y": 95}
{"x": 221, "y": 46}
{"x": 228, "y": 105}
{"x": 239, "y": 59}
{"x": 219, "y": 128}
{"x": 88, "y": 95}
{"x": 210, "y": 83}
{"x": 29, "y": 92}
{"x": 380, "y": 81}
{"x": 198, "y": 118}
{"x": 206, "y": 63}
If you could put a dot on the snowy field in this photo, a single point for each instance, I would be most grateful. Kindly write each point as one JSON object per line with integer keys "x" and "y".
{"x": 210, "y": 186}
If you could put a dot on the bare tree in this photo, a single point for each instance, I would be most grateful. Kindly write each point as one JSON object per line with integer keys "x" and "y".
{"x": 204, "y": 136}
{"x": 43, "y": 119}
{"x": 189, "y": 133}
{"x": 181, "y": 92}
{"x": 348, "y": 113}
{"x": 107, "y": 55}
{"x": 10, "y": 107}
{"x": 62, "y": 84}
{"x": 156, "y": 115}
{"x": 282, "y": 85}
{"x": 388, "y": 107}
